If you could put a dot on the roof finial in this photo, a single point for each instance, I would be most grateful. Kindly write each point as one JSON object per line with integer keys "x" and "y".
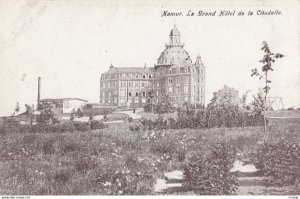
{"x": 145, "y": 65}
{"x": 111, "y": 65}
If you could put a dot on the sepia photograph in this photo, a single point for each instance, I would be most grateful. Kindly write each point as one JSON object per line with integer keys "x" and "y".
{"x": 149, "y": 98}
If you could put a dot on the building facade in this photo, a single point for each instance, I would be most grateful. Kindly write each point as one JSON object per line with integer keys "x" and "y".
{"x": 174, "y": 74}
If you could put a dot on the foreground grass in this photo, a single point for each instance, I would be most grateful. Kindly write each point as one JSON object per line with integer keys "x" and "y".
{"x": 79, "y": 163}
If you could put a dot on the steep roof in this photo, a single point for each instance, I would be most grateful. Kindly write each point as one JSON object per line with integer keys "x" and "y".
{"x": 130, "y": 70}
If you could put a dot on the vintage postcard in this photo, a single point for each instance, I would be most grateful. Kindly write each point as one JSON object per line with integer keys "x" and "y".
{"x": 149, "y": 98}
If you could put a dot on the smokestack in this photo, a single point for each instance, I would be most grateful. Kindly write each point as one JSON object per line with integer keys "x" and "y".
{"x": 39, "y": 93}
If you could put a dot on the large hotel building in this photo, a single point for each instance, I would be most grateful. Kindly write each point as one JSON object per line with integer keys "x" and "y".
{"x": 174, "y": 74}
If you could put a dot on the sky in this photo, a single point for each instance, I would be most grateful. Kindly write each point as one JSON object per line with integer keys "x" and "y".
{"x": 69, "y": 43}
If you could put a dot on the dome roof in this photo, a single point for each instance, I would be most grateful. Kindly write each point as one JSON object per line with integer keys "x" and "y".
{"x": 174, "y": 31}
{"x": 173, "y": 55}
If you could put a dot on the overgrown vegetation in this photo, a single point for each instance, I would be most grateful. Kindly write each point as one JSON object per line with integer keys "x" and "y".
{"x": 279, "y": 163}
{"x": 208, "y": 172}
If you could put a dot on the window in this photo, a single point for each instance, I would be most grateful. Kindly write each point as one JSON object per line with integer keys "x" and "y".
{"x": 150, "y": 76}
{"x": 170, "y": 89}
{"x": 122, "y": 101}
{"x": 103, "y": 94}
{"x": 174, "y": 70}
{"x": 129, "y": 84}
{"x": 109, "y": 101}
{"x": 194, "y": 89}
{"x": 136, "y": 94}
{"x": 144, "y": 93}
{"x": 186, "y": 89}
{"x": 136, "y": 101}
{"x": 122, "y": 93}
{"x": 143, "y": 100}
{"x": 170, "y": 81}
{"x": 122, "y": 84}
{"x": 129, "y": 94}
{"x": 144, "y": 76}
{"x": 109, "y": 94}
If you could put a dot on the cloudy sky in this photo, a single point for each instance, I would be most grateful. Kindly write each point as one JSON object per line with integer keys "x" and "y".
{"x": 69, "y": 43}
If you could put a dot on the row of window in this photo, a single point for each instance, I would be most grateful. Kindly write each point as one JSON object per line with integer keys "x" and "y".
{"x": 130, "y": 94}
{"x": 129, "y": 76}
{"x": 185, "y": 70}
{"x": 185, "y": 79}
{"x": 130, "y": 101}
{"x": 185, "y": 89}
{"x": 131, "y": 84}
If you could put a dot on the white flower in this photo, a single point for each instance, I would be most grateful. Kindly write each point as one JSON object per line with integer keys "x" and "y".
{"x": 107, "y": 184}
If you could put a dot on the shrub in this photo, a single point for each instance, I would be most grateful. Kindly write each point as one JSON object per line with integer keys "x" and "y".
{"x": 134, "y": 127}
{"x": 279, "y": 163}
{"x": 97, "y": 125}
{"x": 148, "y": 108}
{"x": 131, "y": 177}
{"x": 82, "y": 126}
{"x": 65, "y": 127}
{"x": 208, "y": 173}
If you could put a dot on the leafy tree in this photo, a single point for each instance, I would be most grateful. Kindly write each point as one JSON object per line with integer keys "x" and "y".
{"x": 46, "y": 115}
{"x": 17, "y": 109}
{"x": 29, "y": 112}
{"x": 267, "y": 61}
{"x": 79, "y": 113}
{"x": 165, "y": 105}
{"x": 224, "y": 108}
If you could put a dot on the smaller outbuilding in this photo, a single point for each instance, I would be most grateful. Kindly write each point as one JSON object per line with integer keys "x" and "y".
{"x": 64, "y": 105}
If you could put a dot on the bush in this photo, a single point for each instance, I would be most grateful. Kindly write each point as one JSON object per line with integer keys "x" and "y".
{"x": 208, "y": 173}
{"x": 82, "y": 126}
{"x": 279, "y": 163}
{"x": 65, "y": 127}
{"x": 97, "y": 125}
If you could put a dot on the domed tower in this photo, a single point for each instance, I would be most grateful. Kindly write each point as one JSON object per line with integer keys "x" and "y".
{"x": 175, "y": 38}
{"x": 174, "y": 52}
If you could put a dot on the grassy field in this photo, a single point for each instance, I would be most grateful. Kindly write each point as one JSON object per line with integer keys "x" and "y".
{"x": 90, "y": 162}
